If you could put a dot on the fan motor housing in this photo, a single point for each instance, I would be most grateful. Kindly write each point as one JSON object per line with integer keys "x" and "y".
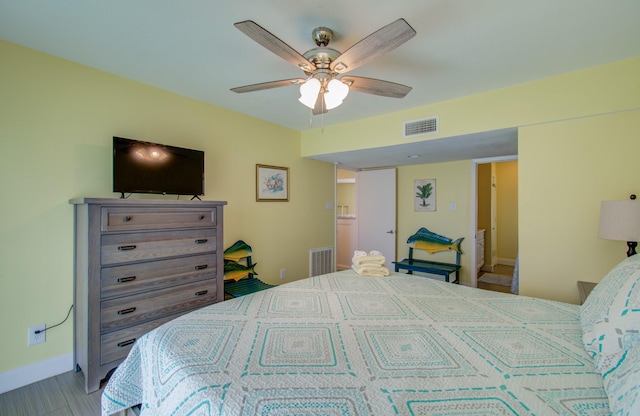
{"x": 321, "y": 57}
{"x": 322, "y": 36}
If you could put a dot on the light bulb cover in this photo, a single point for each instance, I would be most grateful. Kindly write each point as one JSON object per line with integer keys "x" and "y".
{"x": 337, "y": 91}
{"x": 338, "y": 88}
{"x": 309, "y": 92}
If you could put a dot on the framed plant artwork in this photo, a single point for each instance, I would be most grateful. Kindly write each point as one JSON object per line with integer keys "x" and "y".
{"x": 424, "y": 198}
{"x": 272, "y": 183}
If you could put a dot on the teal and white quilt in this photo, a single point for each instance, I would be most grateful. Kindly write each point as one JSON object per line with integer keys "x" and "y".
{"x": 344, "y": 344}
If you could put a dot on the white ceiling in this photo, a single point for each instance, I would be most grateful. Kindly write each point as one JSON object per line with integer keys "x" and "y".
{"x": 462, "y": 47}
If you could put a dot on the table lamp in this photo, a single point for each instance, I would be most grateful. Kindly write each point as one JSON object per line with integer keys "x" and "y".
{"x": 620, "y": 220}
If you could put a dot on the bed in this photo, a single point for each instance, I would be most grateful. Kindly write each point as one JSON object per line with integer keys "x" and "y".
{"x": 344, "y": 344}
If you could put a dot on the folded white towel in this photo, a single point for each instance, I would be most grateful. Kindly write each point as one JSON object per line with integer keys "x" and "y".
{"x": 371, "y": 270}
{"x": 371, "y": 260}
{"x": 359, "y": 253}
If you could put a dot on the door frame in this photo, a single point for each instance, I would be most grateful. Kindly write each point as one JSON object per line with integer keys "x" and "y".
{"x": 474, "y": 208}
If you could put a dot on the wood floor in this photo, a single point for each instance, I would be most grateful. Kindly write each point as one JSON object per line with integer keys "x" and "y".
{"x": 62, "y": 395}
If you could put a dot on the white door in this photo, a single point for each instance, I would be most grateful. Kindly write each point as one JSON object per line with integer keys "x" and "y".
{"x": 376, "y": 192}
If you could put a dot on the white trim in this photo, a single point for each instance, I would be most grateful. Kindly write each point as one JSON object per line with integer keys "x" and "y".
{"x": 32, "y": 373}
{"x": 473, "y": 232}
{"x": 496, "y": 159}
{"x": 507, "y": 262}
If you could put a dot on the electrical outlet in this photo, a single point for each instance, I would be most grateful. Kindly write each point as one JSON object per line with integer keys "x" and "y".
{"x": 283, "y": 274}
{"x": 33, "y": 338}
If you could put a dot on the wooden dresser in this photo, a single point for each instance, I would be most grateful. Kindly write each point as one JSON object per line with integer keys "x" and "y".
{"x": 138, "y": 264}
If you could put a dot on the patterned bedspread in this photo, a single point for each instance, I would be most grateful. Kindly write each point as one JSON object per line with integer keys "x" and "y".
{"x": 343, "y": 344}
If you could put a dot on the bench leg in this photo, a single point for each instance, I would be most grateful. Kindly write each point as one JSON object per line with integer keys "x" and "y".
{"x": 457, "y": 281}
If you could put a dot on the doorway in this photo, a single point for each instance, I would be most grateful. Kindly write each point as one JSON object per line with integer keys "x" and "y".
{"x": 494, "y": 222}
{"x": 346, "y": 220}
{"x": 366, "y": 214}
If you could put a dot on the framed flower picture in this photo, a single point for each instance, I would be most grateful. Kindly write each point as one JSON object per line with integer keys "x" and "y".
{"x": 272, "y": 183}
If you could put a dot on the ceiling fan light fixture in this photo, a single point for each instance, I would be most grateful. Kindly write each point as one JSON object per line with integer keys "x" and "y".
{"x": 323, "y": 65}
{"x": 309, "y": 92}
{"x": 337, "y": 91}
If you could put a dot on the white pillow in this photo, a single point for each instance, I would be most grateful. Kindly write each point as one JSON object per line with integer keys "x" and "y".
{"x": 610, "y": 317}
{"x": 622, "y": 382}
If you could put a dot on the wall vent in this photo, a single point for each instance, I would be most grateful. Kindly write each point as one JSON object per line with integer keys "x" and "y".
{"x": 428, "y": 125}
{"x": 320, "y": 261}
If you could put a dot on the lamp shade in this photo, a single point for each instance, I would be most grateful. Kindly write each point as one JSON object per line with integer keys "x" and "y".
{"x": 620, "y": 220}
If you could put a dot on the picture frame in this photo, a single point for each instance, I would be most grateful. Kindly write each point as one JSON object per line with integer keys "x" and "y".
{"x": 424, "y": 196}
{"x": 272, "y": 183}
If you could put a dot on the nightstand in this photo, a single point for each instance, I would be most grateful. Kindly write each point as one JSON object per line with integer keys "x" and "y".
{"x": 584, "y": 288}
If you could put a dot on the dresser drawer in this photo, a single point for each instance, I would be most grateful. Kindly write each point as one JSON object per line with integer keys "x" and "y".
{"x": 132, "y": 310}
{"x": 142, "y": 277}
{"x": 116, "y": 345}
{"x": 127, "y": 248}
{"x": 133, "y": 218}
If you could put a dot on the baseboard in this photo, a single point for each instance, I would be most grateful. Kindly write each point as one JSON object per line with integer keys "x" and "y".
{"x": 32, "y": 373}
{"x": 507, "y": 262}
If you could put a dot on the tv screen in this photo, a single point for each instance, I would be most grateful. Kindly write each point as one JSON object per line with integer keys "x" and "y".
{"x": 144, "y": 167}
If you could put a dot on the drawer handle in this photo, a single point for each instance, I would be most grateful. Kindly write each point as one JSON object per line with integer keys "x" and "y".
{"x": 201, "y": 266}
{"x": 126, "y": 311}
{"x": 127, "y": 342}
{"x": 202, "y": 293}
{"x": 201, "y": 217}
{"x": 126, "y": 218}
{"x": 202, "y": 240}
{"x": 126, "y": 279}
{"x": 126, "y": 248}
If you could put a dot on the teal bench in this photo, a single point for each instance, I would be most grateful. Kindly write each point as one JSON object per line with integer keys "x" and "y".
{"x": 246, "y": 282}
{"x": 244, "y": 286}
{"x": 433, "y": 244}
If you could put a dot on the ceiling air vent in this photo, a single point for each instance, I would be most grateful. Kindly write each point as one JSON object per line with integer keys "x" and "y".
{"x": 429, "y": 125}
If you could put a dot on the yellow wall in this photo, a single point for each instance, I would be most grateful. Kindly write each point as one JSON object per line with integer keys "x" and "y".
{"x": 452, "y": 185}
{"x": 56, "y": 123}
{"x": 565, "y": 170}
{"x": 589, "y": 118}
{"x": 507, "y": 207}
{"x": 603, "y": 89}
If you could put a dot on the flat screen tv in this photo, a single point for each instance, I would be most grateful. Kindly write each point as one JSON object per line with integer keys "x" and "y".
{"x": 144, "y": 167}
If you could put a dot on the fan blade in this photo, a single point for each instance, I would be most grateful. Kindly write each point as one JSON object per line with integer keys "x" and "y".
{"x": 376, "y": 86}
{"x": 383, "y": 40}
{"x": 268, "y": 85}
{"x": 320, "y": 107}
{"x": 274, "y": 44}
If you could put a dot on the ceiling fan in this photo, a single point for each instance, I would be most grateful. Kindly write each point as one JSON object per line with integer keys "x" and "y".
{"x": 326, "y": 84}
